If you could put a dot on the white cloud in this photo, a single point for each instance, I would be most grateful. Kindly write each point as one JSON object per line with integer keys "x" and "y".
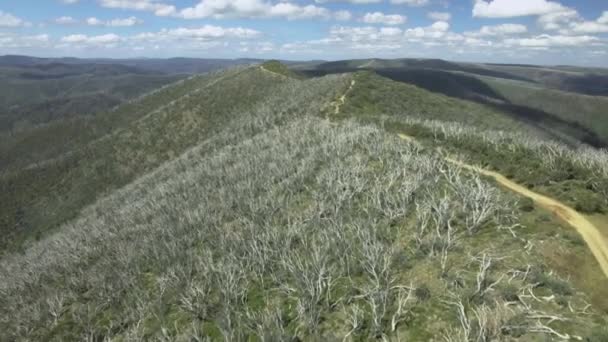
{"x": 82, "y": 41}
{"x": 343, "y": 15}
{"x": 361, "y": 35}
{"x": 211, "y": 32}
{"x": 130, "y": 21}
{"x": 220, "y": 9}
{"x": 104, "y": 39}
{"x": 378, "y": 40}
{"x": 293, "y": 11}
{"x": 252, "y": 9}
{"x": 9, "y": 20}
{"x": 257, "y": 47}
{"x": 555, "y": 20}
{"x": 14, "y": 41}
{"x": 603, "y": 19}
{"x": 69, "y": 2}
{"x": 415, "y": 3}
{"x": 207, "y": 38}
{"x": 94, "y": 22}
{"x": 440, "y": 16}
{"x": 440, "y": 26}
{"x": 514, "y": 8}
{"x": 570, "y": 22}
{"x": 600, "y": 25}
{"x": 155, "y": 6}
{"x": 381, "y": 18}
{"x": 545, "y": 40}
{"x": 437, "y": 30}
{"x": 201, "y": 34}
{"x": 74, "y": 38}
{"x": 66, "y": 20}
{"x": 358, "y": 2}
{"x": 588, "y": 27}
{"x": 119, "y": 22}
{"x": 498, "y": 30}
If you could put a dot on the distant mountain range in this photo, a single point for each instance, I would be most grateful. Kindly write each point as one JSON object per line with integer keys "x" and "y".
{"x": 171, "y": 66}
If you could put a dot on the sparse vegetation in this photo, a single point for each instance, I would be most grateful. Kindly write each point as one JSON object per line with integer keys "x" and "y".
{"x": 231, "y": 207}
{"x": 576, "y": 176}
{"x": 299, "y": 231}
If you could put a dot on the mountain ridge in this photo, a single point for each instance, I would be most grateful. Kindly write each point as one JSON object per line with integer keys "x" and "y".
{"x": 256, "y": 203}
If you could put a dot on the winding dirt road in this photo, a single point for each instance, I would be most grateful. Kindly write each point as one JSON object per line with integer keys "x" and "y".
{"x": 590, "y": 233}
{"x": 593, "y": 238}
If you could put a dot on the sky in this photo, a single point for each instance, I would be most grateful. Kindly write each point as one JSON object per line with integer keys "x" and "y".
{"x": 503, "y": 31}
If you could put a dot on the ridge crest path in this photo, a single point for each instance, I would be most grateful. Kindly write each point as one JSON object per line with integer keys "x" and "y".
{"x": 342, "y": 98}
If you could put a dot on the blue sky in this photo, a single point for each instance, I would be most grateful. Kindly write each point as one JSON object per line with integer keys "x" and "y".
{"x": 508, "y": 31}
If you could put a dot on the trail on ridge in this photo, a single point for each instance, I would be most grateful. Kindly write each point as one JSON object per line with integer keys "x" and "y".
{"x": 270, "y": 71}
{"x": 342, "y": 99}
{"x": 590, "y": 233}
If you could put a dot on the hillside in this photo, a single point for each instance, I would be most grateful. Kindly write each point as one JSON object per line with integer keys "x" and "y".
{"x": 587, "y": 111}
{"x": 67, "y": 92}
{"x": 257, "y": 204}
{"x": 530, "y": 94}
{"x": 45, "y": 193}
{"x": 588, "y": 81}
{"x": 178, "y": 65}
{"x": 35, "y": 95}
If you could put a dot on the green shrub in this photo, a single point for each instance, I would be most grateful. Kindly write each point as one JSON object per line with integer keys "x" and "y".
{"x": 597, "y": 334}
{"x": 526, "y": 204}
{"x": 422, "y": 293}
{"x": 510, "y": 293}
{"x": 556, "y": 285}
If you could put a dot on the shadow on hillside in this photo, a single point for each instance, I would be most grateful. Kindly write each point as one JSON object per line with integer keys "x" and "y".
{"x": 473, "y": 89}
{"x": 595, "y": 85}
{"x": 414, "y": 64}
{"x": 447, "y": 83}
{"x": 550, "y": 124}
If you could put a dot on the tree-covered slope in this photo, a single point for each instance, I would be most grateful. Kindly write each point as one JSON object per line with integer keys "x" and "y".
{"x": 42, "y": 195}
{"x": 35, "y": 95}
{"x": 587, "y": 111}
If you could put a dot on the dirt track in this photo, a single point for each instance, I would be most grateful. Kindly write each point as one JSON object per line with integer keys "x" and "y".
{"x": 342, "y": 98}
{"x": 590, "y": 233}
{"x": 593, "y": 238}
